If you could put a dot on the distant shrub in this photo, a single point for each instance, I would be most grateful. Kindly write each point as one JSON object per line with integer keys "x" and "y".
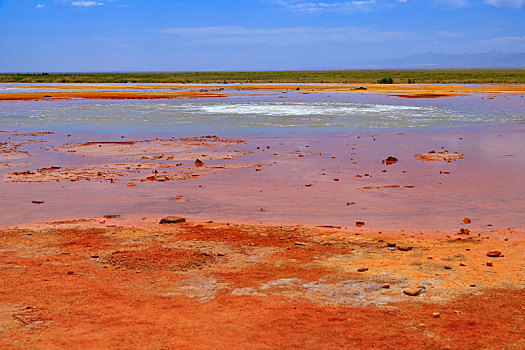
{"x": 411, "y": 81}
{"x": 387, "y": 80}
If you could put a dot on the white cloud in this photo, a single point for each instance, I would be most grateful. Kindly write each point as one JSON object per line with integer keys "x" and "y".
{"x": 236, "y": 35}
{"x": 39, "y": 6}
{"x": 330, "y": 5}
{"x": 453, "y": 3}
{"x": 86, "y": 3}
{"x": 506, "y": 3}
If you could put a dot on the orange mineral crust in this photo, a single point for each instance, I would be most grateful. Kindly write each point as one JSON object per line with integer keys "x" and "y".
{"x": 160, "y": 91}
{"x": 95, "y": 285}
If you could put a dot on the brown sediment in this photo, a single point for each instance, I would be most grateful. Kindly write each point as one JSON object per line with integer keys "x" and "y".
{"x": 159, "y": 91}
{"x": 427, "y": 95}
{"x": 116, "y": 95}
{"x": 217, "y": 285}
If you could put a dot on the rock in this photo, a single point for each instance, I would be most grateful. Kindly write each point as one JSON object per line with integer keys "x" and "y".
{"x": 131, "y": 184}
{"x": 385, "y": 286}
{"x": 172, "y": 220}
{"x": 447, "y": 267}
{"x": 412, "y": 291}
{"x": 391, "y": 245}
{"x": 404, "y": 248}
{"x": 301, "y": 244}
{"x": 462, "y": 264}
{"x": 464, "y": 231}
{"x": 390, "y": 160}
{"x": 435, "y": 315}
{"x": 494, "y": 254}
{"x": 359, "y": 223}
{"x": 466, "y": 221}
{"x": 489, "y": 263}
{"x": 362, "y": 269}
{"x": 198, "y": 163}
{"x": 350, "y": 203}
{"x": 37, "y": 202}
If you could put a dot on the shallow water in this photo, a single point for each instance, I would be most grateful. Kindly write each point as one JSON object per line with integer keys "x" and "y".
{"x": 255, "y": 115}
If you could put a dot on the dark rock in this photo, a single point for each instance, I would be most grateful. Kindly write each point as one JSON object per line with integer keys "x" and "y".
{"x": 359, "y": 223}
{"x": 494, "y": 254}
{"x": 172, "y": 220}
{"x": 404, "y": 248}
{"x": 464, "y": 231}
{"x": 199, "y": 163}
{"x": 390, "y": 160}
{"x": 362, "y": 269}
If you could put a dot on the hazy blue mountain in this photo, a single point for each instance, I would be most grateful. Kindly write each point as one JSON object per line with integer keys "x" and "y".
{"x": 493, "y": 59}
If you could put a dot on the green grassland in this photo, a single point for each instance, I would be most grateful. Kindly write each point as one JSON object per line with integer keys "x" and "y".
{"x": 468, "y": 76}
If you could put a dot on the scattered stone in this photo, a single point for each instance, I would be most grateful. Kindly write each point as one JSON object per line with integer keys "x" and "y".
{"x": 462, "y": 264}
{"x": 385, "y": 286}
{"x": 172, "y": 220}
{"x": 489, "y": 263}
{"x": 350, "y": 203}
{"x": 466, "y": 221}
{"x": 435, "y": 315}
{"x": 362, "y": 269}
{"x": 37, "y": 202}
{"x": 131, "y": 184}
{"x": 199, "y": 163}
{"x": 447, "y": 267}
{"x": 301, "y": 244}
{"x": 404, "y": 248}
{"x": 494, "y": 254}
{"x": 390, "y": 160}
{"x": 391, "y": 244}
{"x": 472, "y": 285}
{"x": 464, "y": 231}
{"x": 359, "y": 223}
{"x": 412, "y": 291}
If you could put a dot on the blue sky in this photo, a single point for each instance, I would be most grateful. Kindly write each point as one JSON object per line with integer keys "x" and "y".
{"x": 197, "y": 35}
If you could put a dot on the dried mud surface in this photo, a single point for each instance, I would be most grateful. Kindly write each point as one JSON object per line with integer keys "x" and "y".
{"x": 129, "y": 160}
{"x": 94, "y": 283}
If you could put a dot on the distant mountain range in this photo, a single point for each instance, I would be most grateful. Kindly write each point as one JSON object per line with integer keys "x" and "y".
{"x": 429, "y": 60}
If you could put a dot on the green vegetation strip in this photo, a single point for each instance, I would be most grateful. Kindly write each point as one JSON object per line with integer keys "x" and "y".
{"x": 470, "y": 76}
